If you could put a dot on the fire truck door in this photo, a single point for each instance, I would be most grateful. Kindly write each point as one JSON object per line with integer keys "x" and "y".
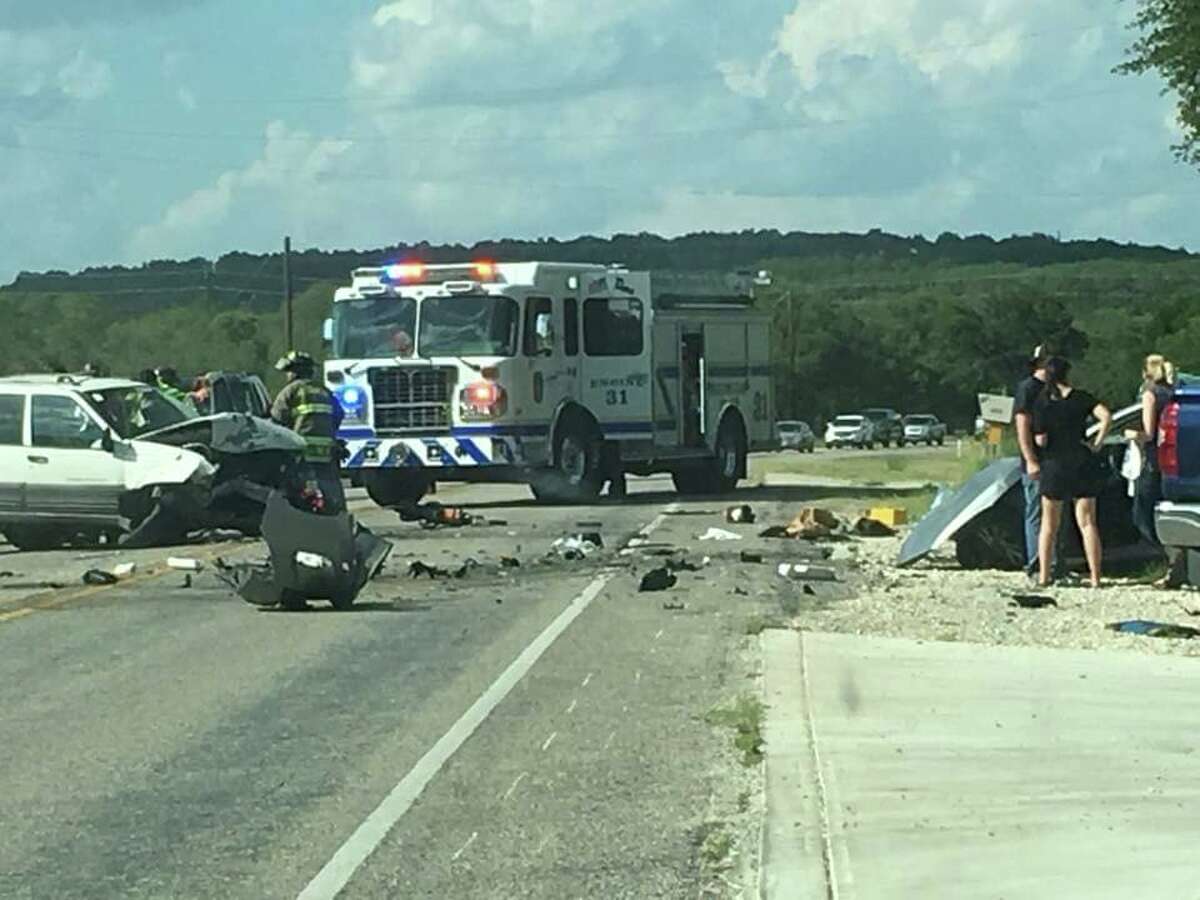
{"x": 615, "y": 366}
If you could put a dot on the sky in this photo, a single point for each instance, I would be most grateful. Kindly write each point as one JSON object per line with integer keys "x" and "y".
{"x": 155, "y": 129}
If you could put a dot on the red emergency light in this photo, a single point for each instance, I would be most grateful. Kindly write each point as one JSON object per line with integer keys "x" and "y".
{"x": 407, "y": 271}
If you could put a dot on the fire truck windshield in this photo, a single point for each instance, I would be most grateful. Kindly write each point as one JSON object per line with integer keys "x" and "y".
{"x": 471, "y": 325}
{"x": 374, "y": 328}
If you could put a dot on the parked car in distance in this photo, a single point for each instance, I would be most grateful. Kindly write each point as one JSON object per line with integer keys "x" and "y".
{"x": 794, "y": 435}
{"x": 849, "y": 431}
{"x": 924, "y": 429}
{"x": 887, "y": 426}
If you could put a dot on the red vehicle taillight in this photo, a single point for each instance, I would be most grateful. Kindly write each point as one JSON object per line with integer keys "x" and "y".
{"x": 1168, "y": 440}
{"x": 483, "y": 399}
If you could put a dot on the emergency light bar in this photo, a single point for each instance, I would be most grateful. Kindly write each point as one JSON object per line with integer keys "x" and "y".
{"x": 482, "y": 271}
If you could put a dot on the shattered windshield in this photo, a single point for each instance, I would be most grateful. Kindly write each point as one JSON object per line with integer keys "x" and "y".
{"x": 136, "y": 410}
{"x": 374, "y": 328}
{"x": 476, "y": 325}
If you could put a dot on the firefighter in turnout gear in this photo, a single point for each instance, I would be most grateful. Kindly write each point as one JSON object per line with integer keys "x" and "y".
{"x": 306, "y": 407}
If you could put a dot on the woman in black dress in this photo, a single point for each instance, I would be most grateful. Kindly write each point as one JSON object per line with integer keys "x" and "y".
{"x": 1070, "y": 469}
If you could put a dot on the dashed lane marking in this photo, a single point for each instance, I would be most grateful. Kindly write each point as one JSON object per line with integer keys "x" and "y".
{"x": 463, "y": 848}
{"x": 336, "y": 873}
{"x": 549, "y": 741}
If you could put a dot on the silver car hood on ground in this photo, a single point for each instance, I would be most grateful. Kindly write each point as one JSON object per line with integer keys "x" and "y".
{"x": 944, "y": 520}
{"x": 229, "y": 433}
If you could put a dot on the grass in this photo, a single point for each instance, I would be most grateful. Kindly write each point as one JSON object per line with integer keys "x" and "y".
{"x": 745, "y": 717}
{"x": 936, "y": 466}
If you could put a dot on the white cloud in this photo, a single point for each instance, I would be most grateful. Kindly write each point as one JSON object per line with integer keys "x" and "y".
{"x": 84, "y": 78}
{"x": 483, "y": 118}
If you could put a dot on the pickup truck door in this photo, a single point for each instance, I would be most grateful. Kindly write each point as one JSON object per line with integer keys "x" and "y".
{"x": 12, "y": 453}
{"x": 68, "y": 475}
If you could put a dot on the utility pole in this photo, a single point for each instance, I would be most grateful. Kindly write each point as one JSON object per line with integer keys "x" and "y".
{"x": 287, "y": 295}
{"x": 793, "y": 382}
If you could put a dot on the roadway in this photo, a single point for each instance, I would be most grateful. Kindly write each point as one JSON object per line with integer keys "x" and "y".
{"x": 536, "y": 731}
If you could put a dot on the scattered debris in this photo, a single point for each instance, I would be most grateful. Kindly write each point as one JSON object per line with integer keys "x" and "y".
{"x": 124, "y": 570}
{"x": 1188, "y": 610}
{"x": 99, "y": 577}
{"x": 749, "y": 556}
{"x": 509, "y": 562}
{"x": 867, "y": 526}
{"x": 7, "y": 574}
{"x": 1032, "y": 601}
{"x": 187, "y": 581}
{"x": 892, "y": 516}
{"x": 434, "y": 515}
{"x": 720, "y": 534}
{"x": 803, "y": 572}
{"x": 594, "y": 526}
{"x": 467, "y": 565}
{"x": 741, "y": 592}
{"x": 740, "y": 515}
{"x": 1155, "y": 629}
{"x": 810, "y": 590}
{"x": 184, "y": 564}
{"x": 674, "y": 607}
{"x": 417, "y": 568}
{"x": 682, "y": 565}
{"x": 658, "y": 580}
{"x": 577, "y": 546}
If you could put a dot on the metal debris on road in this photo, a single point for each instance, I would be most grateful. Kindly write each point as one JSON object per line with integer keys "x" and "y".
{"x": 740, "y": 515}
{"x": 674, "y": 607}
{"x": 749, "y": 556}
{"x": 184, "y": 563}
{"x": 719, "y": 534}
{"x": 417, "y": 568}
{"x": 98, "y": 577}
{"x": 7, "y": 574}
{"x": 658, "y": 580}
{"x": 510, "y": 562}
{"x": 1155, "y": 629}
{"x": 803, "y": 572}
{"x": 124, "y": 570}
{"x": 577, "y": 546}
{"x": 1032, "y": 601}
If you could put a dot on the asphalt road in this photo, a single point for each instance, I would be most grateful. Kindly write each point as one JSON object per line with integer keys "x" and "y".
{"x": 531, "y": 732}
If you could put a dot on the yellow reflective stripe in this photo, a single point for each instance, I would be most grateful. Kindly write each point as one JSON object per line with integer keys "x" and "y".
{"x": 313, "y": 409}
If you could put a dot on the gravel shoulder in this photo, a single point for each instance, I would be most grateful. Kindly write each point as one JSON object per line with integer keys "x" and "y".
{"x": 937, "y": 601}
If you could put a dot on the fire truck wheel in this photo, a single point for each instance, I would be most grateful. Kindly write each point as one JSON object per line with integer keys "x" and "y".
{"x": 576, "y": 474}
{"x": 389, "y": 489}
{"x": 730, "y": 459}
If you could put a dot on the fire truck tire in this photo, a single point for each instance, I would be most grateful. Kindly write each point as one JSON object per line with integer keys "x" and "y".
{"x": 575, "y": 476}
{"x": 721, "y": 473}
{"x": 389, "y": 488}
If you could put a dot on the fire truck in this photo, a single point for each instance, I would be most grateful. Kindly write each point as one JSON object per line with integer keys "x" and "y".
{"x": 562, "y": 376}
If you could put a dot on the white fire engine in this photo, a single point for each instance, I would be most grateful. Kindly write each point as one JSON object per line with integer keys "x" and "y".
{"x": 559, "y": 375}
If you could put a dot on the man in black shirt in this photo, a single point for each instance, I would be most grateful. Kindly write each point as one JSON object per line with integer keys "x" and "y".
{"x": 1031, "y": 469}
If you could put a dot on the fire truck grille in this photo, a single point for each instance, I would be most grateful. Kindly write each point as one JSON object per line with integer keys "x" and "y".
{"x": 406, "y": 400}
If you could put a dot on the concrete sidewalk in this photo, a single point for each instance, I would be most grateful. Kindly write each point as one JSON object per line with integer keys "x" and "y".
{"x": 903, "y": 769}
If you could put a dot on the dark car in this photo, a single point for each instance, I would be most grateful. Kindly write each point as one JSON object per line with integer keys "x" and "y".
{"x": 888, "y": 425}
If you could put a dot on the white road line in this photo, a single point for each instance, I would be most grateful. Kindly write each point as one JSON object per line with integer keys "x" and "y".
{"x": 586, "y": 680}
{"x": 512, "y": 787}
{"x": 660, "y": 633}
{"x": 571, "y": 708}
{"x": 463, "y": 848}
{"x": 549, "y": 741}
{"x": 337, "y": 873}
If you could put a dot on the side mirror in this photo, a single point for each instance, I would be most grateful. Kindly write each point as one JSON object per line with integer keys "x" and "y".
{"x": 327, "y": 331}
{"x": 107, "y": 444}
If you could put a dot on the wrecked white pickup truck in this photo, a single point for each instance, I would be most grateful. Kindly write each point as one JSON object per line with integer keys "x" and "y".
{"x": 85, "y": 459}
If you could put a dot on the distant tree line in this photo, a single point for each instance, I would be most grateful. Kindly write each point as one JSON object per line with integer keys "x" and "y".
{"x": 872, "y": 319}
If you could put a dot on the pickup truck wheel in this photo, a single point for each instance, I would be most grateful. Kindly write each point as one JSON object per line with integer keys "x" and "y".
{"x": 390, "y": 488}
{"x": 32, "y": 538}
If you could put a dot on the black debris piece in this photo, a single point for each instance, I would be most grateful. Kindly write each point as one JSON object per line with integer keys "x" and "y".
{"x": 417, "y": 568}
{"x": 660, "y": 551}
{"x": 658, "y": 580}
{"x": 510, "y": 562}
{"x": 741, "y": 592}
{"x": 682, "y": 565}
{"x": 1155, "y": 629}
{"x": 99, "y": 577}
{"x": 187, "y": 581}
{"x": 595, "y": 526}
{"x": 749, "y": 556}
{"x": 742, "y": 514}
{"x": 775, "y": 531}
{"x": 591, "y": 537}
{"x": 867, "y": 527}
{"x": 8, "y": 574}
{"x": 499, "y": 601}
{"x": 467, "y": 566}
{"x": 810, "y": 590}
{"x": 1032, "y": 601}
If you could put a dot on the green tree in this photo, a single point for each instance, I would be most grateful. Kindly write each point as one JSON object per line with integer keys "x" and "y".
{"x": 1169, "y": 43}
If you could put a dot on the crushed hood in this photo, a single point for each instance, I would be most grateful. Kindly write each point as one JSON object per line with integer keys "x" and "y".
{"x": 979, "y": 494}
{"x": 229, "y": 433}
